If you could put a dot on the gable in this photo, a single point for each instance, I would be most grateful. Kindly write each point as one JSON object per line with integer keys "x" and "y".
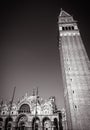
{"x": 64, "y": 14}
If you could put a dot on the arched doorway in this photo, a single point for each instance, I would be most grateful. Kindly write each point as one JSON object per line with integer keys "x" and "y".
{"x": 8, "y": 123}
{"x": 36, "y": 123}
{"x": 55, "y": 124}
{"x": 21, "y": 122}
{"x": 22, "y": 126}
{"x": 1, "y": 123}
{"x": 46, "y": 123}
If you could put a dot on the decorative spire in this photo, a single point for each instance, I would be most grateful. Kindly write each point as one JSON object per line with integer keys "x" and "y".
{"x": 25, "y": 95}
{"x": 37, "y": 92}
{"x": 33, "y": 92}
{"x": 1, "y": 102}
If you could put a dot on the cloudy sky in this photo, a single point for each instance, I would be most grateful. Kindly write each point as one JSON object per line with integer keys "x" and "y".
{"x": 29, "y": 54}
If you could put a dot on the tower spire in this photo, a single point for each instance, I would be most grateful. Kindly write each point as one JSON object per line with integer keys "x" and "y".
{"x": 11, "y": 102}
{"x": 64, "y": 13}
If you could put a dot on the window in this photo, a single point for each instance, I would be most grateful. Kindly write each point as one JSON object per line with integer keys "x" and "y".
{"x": 66, "y": 28}
{"x": 69, "y": 28}
{"x": 24, "y": 108}
{"x": 3, "y": 112}
{"x": 72, "y": 28}
{"x": 63, "y": 28}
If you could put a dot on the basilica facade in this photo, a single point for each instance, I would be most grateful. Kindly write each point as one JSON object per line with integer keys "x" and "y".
{"x": 31, "y": 113}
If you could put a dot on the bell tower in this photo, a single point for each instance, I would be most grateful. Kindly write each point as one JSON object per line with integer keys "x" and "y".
{"x": 75, "y": 67}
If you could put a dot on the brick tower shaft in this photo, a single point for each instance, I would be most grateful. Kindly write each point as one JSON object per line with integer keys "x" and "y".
{"x": 75, "y": 67}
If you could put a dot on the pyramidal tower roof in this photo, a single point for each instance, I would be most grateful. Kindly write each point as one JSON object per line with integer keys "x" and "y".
{"x": 64, "y": 14}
